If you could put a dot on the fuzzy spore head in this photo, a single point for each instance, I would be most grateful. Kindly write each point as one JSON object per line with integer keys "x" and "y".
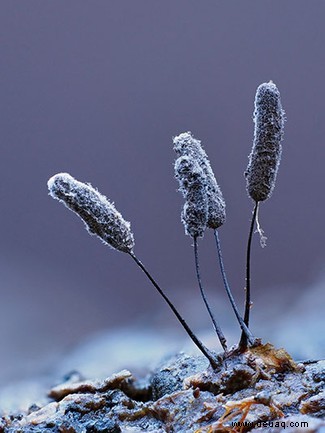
{"x": 265, "y": 156}
{"x": 192, "y": 184}
{"x": 186, "y": 145}
{"x": 99, "y": 215}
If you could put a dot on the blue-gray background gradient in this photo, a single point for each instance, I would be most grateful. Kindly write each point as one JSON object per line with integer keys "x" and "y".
{"x": 98, "y": 89}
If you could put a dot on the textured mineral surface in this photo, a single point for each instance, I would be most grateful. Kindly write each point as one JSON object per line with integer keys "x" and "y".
{"x": 260, "y": 390}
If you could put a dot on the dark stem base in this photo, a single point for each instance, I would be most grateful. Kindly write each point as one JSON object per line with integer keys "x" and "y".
{"x": 243, "y": 340}
{"x": 214, "y": 361}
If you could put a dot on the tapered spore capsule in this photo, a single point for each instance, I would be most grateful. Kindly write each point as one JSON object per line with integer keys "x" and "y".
{"x": 99, "y": 215}
{"x": 265, "y": 156}
{"x": 186, "y": 145}
{"x": 192, "y": 182}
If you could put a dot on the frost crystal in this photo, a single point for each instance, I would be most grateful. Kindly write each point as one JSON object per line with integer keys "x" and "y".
{"x": 186, "y": 144}
{"x": 265, "y": 156}
{"x": 99, "y": 215}
{"x": 192, "y": 184}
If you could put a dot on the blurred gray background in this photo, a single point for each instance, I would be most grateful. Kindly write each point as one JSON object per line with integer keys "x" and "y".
{"x": 98, "y": 89}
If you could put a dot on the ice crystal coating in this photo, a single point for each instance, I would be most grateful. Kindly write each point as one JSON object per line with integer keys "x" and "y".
{"x": 99, "y": 215}
{"x": 192, "y": 184}
{"x": 265, "y": 156}
{"x": 186, "y": 144}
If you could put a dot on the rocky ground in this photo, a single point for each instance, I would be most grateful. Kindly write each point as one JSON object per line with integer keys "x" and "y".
{"x": 262, "y": 388}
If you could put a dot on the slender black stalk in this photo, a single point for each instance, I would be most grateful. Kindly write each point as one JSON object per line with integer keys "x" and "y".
{"x": 217, "y": 328}
{"x": 206, "y": 352}
{"x": 243, "y": 340}
{"x": 249, "y": 336}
